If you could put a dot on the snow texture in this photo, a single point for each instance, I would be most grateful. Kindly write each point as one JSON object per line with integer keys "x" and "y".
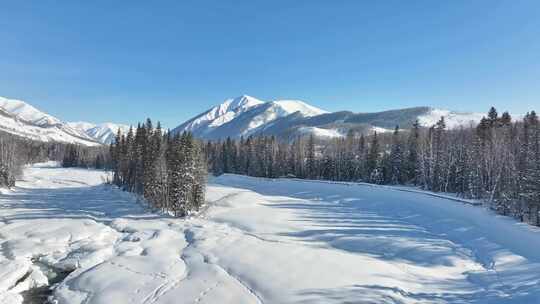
{"x": 260, "y": 241}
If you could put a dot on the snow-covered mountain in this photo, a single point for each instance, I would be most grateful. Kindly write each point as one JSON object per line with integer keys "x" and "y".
{"x": 235, "y": 117}
{"x": 104, "y": 133}
{"x": 219, "y": 115}
{"x": 20, "y": 118}
{"x": 246, "y": 115}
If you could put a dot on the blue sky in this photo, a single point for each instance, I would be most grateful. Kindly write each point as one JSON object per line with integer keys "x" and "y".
{"x": 125, "y": 60}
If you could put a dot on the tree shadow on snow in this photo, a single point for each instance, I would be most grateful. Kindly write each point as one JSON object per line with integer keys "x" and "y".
{"x": 400, "y": 227}
{"x": 100, "y": 203}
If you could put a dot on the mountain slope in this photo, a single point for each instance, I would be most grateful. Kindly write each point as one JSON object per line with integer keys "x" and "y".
{"x": 452, "y": 119}
{"x": 218, "y": 115}
{"x": 245, "y": 115}
{"x": 20, "y": 118}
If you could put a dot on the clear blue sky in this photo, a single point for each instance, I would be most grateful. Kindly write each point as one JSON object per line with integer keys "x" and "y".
{"x": 125, "y": 60}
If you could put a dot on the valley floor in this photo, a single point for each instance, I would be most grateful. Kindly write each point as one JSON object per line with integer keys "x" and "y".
{"x": 260, "y": 241}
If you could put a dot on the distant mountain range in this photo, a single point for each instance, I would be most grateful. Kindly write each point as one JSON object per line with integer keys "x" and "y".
{"x": 235, "y": 117}
{"x": 20, "y": 118}
{"x": 246, "y": 115}
{"x": 104, "y": 133}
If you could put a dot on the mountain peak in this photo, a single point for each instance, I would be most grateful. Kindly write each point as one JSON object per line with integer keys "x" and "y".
{"x": 244, "y": 115}
{"x": 243, "y": 102}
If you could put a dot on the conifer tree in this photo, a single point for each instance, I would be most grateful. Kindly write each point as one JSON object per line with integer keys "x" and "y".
{"x": 372, "y": 160}
{"x": 396, "y": 159}
{"x": 412, "y": 156}
{"x": 310, "y": 158}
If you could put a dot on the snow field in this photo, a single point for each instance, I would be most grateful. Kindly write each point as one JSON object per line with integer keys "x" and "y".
{"x": 260, "y": 241}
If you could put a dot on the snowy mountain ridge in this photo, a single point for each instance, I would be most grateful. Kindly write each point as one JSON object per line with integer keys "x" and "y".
{"x": 243, "y": 116}
{"x": 20, "y": 118}
{"x": 105, "y": 133}
{"x": 235, "y": 117}
{"x": 246, "y": 115}
{"x": 24, "y": 111}
{"x": 221, "y": 113}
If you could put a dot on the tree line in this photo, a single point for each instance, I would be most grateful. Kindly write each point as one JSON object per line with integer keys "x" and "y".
{"x": 169, "y": 171}
{"x": 497, "y": 161}
{"x": 74, "y": 155}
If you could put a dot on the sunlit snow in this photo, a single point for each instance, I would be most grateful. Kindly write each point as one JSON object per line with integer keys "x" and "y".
{"x": 260, "y": 241}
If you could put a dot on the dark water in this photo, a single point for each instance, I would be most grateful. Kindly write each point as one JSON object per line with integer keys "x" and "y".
{"x": 40, "y": 295}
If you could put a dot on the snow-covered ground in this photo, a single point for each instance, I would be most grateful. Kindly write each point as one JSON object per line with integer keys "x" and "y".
{"x": 260, "y": 241}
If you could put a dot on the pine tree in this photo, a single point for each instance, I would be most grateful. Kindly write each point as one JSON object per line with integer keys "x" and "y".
{"x": 360, "y": 165}
{"x": 372, "y": 160}
{"x": 531, "y": 178}
{"x": 412, "y": 155}
{"x": 310, "y": 158}
{"x": 349, "y": 162}
{"x": 396, "y": 159}
{"x": 199, "y": 181}
{"x": 506, "y": 119}
{"x": 439, "y": 164}
{"x": 493, "y": 116}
